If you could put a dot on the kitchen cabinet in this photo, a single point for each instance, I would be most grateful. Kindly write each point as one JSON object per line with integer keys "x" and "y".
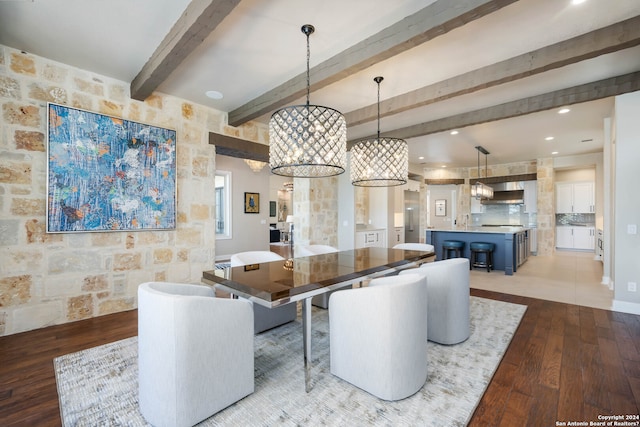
{"x": 581, "y": 238}
{"x": 575, "y": 197}
{"x": 583, "y": 196}
{"x": 584, "y": 238}
{"x": 398, "y": 236}
{"x": 371, "y": 238}
{"x": 530, "y": 196}
{"x": 564, "y": 237}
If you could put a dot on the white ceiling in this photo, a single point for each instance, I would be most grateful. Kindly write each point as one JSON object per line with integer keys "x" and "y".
{"x": 259, "y": 46}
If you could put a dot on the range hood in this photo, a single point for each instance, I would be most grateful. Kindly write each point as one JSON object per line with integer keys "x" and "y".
{"x": 506, "y": 193}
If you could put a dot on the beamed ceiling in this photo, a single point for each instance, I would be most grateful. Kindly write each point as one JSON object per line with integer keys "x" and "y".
{"x": 497, "y": 71}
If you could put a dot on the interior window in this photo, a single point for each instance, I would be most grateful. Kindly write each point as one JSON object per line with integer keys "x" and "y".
{"x": 223, "y": 205}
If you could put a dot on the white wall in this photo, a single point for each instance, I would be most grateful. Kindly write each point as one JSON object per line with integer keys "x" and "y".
{"x": 441, "y": 192}
{"x": 249, "y": 232}
{"x": 626, "y": 249}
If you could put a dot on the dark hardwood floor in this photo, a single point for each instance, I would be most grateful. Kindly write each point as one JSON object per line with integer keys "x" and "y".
{"x": 565, "y": 363}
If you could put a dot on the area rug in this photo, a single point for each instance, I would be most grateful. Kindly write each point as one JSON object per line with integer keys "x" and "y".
{"x": 99, "y": 386}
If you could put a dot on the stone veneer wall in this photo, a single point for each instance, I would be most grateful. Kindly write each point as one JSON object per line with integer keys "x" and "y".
{"x": 48, "y": 279}
{"x": 546, "y": 207}
{"x": 315, "y": 203}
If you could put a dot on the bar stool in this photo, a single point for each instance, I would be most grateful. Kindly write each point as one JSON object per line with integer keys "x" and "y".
{"x": 452, "y": 245}
{"x": 481, "y": 248}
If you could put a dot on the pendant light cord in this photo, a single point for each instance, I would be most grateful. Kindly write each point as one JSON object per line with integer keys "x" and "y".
{"x": 378, "y": 110}
{"x": 308, "y": 59}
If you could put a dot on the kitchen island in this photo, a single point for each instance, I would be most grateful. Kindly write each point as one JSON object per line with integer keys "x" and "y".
{"x": 511, "y": 244}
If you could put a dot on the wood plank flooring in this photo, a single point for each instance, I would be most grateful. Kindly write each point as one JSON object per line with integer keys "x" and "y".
{"x": 565, "y": 363}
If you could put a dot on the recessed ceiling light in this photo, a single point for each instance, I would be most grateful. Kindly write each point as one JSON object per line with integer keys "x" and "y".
{"x": 554, "y": 152}
{"x": 564, "y": 110}
{"x": 421, "y": 158}
{"x": 454, "y": 132}
{"x": 574, "y": 2}
{"x": 444, "y": 166}
{"x": 549, "y": 138}
{"x": 214, "y": 94}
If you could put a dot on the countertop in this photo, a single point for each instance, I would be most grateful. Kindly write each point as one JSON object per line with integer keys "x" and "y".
{"x": 494, "y": 230}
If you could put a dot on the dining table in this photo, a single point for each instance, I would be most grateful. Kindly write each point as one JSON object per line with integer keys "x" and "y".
{"x": 276, "y": 283}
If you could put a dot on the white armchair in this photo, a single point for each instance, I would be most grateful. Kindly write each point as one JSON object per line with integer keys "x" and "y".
{"x": 415, "y": 247}
{"x": 322, "y": 300}
{"x": 448, "y": 296}
{"x": 265, "y": 318}
{"x": 195, "y": 352}
{"x": 310, "y": 250}
{"x": 378, "y": 336}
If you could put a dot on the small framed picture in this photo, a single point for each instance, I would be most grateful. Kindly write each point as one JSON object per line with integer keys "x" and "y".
{"x": 251, "y": 202}
{"x": 441, "y": 207}
{"x": 272, "y": 209}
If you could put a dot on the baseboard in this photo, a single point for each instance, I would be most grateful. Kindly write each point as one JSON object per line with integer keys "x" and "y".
{"x": 626, "y": 307}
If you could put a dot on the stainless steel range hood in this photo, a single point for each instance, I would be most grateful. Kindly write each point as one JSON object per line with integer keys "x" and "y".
{"x": 506, "y": 193}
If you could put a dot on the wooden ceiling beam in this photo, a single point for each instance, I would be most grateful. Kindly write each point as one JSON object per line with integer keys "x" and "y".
{"x": 574, "y": 95}
{"x": 195, "y": 24}
{"x": 621, "y": 35}
{"x": 434, "y": 20}
{"x": 240, "y": 148}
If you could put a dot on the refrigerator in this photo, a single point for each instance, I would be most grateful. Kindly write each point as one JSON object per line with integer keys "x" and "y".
{"x": 411, "y": 216}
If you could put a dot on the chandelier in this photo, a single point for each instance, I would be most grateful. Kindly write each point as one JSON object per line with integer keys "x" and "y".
{"x": 307, "y": 140}
{"x": 479, "y": 190}
{"x": 379, "y": 162}
{"x": 255, "y": 165}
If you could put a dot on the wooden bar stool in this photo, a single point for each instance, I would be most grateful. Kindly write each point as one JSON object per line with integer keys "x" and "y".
{"x": 452, "y": 245}
{"x": 481, "y": 248}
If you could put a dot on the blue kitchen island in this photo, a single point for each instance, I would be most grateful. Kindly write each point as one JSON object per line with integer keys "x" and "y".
{"x": 511, "y": 244}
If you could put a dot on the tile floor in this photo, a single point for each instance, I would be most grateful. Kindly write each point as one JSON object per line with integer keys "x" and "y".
{"x": 568, "y": 277}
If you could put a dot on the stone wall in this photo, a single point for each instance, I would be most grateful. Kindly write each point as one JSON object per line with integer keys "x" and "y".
{"x": 48, "y": 279}
{"x": 315, "y": 203}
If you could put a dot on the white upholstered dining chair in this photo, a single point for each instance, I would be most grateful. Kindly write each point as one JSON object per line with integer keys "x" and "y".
{"x": 415, "y": 247}
{"x": 195, "y": 352}
{"x": 448, "y": 296}
{"x": 378, "y": 336}
{"x": 265, "y": 318}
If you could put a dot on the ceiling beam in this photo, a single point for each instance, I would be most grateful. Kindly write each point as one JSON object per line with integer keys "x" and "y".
{"x": 240, "y": 148}
{"x": 198, "y": 20}
{"x": 621, "y": 35}
{"x": 574, "y": 95}
{"x": 434, "y": 20}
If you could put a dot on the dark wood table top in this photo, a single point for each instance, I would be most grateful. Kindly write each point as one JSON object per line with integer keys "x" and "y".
{"x": 280, "y": 282}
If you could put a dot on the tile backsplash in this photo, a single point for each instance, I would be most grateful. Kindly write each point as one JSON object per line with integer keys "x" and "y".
{"x": 586, "y": 219}
{"x": 503, "y": 215}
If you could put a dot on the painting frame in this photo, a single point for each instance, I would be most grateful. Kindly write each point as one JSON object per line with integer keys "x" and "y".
{"x": 272, "y": 209}
{"x": 251, "y": 203}
{"x": 108, "y": 174}
{"x": 441, "y": 207}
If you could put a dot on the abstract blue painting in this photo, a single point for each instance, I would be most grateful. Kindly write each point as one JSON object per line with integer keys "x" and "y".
{"x": 108, "y": 174}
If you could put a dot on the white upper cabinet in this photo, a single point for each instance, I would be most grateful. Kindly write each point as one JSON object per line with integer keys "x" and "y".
{"x": 575, "y": 197}
{"x": 564, "y": 198}
{"x": 583, "y": 197}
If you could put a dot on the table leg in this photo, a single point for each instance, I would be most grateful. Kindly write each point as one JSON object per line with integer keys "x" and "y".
{"x": 306, "y": 336}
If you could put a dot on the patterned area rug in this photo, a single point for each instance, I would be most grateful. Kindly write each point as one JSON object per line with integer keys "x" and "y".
{"x": 98, "y": 386}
